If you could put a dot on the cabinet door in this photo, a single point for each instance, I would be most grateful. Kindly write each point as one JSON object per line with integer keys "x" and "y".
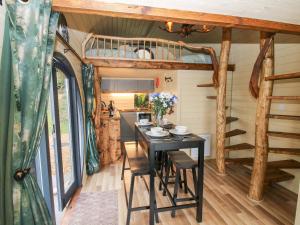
{"x": 108, "y": 85}
{"x": 126, "y": 85}
{"x": 146, "y": 85}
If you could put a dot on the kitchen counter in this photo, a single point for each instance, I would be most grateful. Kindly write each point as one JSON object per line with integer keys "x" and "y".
{"x": 105, "y": 115}
{"x": 135, "y": 110}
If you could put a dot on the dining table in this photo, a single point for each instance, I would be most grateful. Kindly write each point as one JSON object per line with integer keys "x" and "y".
{"x": 152, "y": 146}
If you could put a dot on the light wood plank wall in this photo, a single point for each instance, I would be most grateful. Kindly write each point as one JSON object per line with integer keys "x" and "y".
{"x": 194, "y": 110}
{"x": 287, "y": 59}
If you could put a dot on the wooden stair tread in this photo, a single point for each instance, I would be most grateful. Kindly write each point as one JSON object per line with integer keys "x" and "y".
{"x": 284, "y": 164}
{"x": 230, "y": 119}
{"x": 283, "y": 134}
{"x": 277, "y": 175}
{"x": 283, "y": 76}
{"x": 242, "y": 146}
{"x": 284, "y": 117}
{"x": 243, "y": 161}
{"x": 211, "y": 97}
{"x": 283, "y": 97}
{"x": 234, "y": 132}
{"x": 271, "y": 165}
{"x": 288, "y": 151}
{"x": 206, "y": 85}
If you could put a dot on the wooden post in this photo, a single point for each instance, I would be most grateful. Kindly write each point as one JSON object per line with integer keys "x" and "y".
{"x": 261, "y": 124}
{"x": 97, "y": 119}
{"x": 221, "y": 101}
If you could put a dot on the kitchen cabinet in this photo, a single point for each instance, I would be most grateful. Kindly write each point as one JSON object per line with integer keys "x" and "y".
{"x": 127, "y": 85}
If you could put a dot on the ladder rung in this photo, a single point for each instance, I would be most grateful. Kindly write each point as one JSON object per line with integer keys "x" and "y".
{"x": 283, "y": 76}
{"x": 230, "y": 119}
{"x": 287, "y": 151}
{"x": 284, "y": 117}
{"x": 205, "y": 85}
{"x": 283, "y": 134}
{"x": 234, "y": 132}
{"x": 283, "y": 97}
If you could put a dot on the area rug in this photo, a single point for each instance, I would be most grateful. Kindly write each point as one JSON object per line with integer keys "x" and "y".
{"x": 95, "y": 208}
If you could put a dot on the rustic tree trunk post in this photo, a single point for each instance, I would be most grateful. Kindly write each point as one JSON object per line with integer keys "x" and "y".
{"x": 97, "y": 119}
{"x": 221, "y": 100}
{"x": 261, "y": 124}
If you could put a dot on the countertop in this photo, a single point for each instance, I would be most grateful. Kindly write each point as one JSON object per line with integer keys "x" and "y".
{"x": 135, "y": 110}
{"x": 105, "y": 115}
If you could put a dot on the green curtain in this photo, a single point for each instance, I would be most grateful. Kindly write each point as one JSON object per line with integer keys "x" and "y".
{"x": 92, "y": 155}
{"x": 6, "y": 130}
{"x": 32, "y": 37}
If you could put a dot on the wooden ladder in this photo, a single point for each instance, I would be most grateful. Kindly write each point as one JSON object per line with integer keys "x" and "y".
{"x": 265, "y": 172}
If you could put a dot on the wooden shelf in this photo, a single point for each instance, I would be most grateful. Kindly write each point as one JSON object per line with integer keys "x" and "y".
{"x": 283, "y": 134}
{"x": 287, "y": 151}
{"x": 242, "y": 146}
{"x": 284, "y": 117}
{"x": 230, "y": 119}
{"x": 283, "y": 76}
{"x": 283, "y": 97}
{"x": 234, "y": 132}
{"x": 205, "y": 85}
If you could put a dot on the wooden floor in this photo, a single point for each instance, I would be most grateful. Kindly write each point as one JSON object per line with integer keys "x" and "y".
{"x": 225, "y": 202}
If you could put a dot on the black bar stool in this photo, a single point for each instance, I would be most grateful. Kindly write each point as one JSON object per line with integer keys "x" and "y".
{"x": 139, "y": 166}
{"x": 183, "y": 162}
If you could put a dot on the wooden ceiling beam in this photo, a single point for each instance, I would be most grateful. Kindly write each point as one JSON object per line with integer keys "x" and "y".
{"x": 138, "y": 64}
{"x": 97, "y": 7}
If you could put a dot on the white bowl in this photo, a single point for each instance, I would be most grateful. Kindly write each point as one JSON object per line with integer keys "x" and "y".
{"x": 181, "y": 129}
{"x": 156, "y": 130}
{"x": 144, "y": 121}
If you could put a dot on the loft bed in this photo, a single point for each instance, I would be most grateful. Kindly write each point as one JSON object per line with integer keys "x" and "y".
{"x": 148, "y": 53}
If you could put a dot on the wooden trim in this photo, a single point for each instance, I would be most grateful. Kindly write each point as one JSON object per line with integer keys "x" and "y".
{"x": 97, "y": 7}
{"x": 144, "y": 64}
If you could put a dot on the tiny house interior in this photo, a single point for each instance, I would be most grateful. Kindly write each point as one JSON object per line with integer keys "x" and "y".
{"x": 236, "y": 83}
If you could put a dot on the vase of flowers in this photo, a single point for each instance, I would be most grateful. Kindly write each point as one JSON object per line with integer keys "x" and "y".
{"x": 162, "y": 103}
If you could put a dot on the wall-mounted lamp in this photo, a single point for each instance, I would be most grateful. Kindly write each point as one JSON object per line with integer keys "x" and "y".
{"x": 168, "y": 79}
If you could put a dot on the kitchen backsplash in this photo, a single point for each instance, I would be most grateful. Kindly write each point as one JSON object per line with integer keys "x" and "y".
{"x": 121, "y": 100}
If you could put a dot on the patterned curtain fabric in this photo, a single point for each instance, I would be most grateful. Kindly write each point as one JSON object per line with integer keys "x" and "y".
{"x": 32, "y": 36}
{"x": 6, "y": 130}
{"x": 92, "y": 155}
